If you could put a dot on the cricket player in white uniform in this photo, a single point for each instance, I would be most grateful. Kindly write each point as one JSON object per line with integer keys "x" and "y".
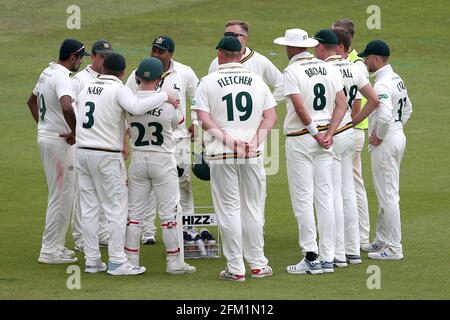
{"x": 257, "y": 63}
{"x": 180, "y": 81}
{"x": 345, "y": 205}
{"x": 98, "y": 53}
{"x": 236, "y": 108}
{"x": 315, "y": 102}
{"x": 386, "y": 146}
{"x": 100, "y": 164}
{"x": 359, "y": 132}
{"x": 153, "y": 167}
{"x": 51, "y": 107}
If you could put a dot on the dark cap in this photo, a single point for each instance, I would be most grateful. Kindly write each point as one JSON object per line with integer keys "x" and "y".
{"x": 376, "y": 47}
{"x": 114, "y": 62}
{"x": 150, "y": 69}
{"x": 326, "y": 36}
{"x": 229, "y": 43}
{"x": 102, "y": 47}
{"x": 71, "y": 47}
{"x": 164, "y": 43}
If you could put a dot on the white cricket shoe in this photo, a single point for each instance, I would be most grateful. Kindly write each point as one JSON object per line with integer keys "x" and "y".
{"x": 385, "y": 254}
{"x": 372, "y": 247}
{"x": 186, "y": 268}
{"x": 306, "y": 267}
{"x": 262, "y": 272}
{"x": 68, "y": 252}
{"x": 124, "y": 269}
{"x": 79, "y": 246}
{"x": 59, "y": 258}
{"x": 99, "y": 267}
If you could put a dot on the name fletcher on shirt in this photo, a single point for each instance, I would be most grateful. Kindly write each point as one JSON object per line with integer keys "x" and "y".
{"x": 226, "y": 81}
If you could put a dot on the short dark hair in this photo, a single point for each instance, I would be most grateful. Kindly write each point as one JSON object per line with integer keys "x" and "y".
{"x": 114, "y": 64}
{"x": 230, "y": 54}
{"x": 344, "y": 37}
{"x": 345, "y": 24}
{"x": 244, "y": 25}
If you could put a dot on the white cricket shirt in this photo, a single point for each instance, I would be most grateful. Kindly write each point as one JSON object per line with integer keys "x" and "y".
{"x": 54, "y": 83}
{"x": 236, "y": 99}
{"x": 101, "y": 112}
{"x": 317, "y": 82}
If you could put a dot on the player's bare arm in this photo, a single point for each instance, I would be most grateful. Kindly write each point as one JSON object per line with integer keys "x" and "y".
{"x": 209, "y": 125}
{"x": 32, "y": 104}
{"x": 269, "y": 119}
{"x": 356, "y": 108}
{"x": 69, "y": 116}
{"x": 338, "y": 115}
{"x": 372, "y": 103}
{"x": 303, "y": 114}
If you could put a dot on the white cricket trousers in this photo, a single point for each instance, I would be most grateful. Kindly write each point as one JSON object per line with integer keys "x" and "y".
{"x": 345, "y": 208}
{"x": 386, "y": 159}
{"x": 102, "y": 180}
{"x": 183, "y": 159}
{"x": 310, "y": 186}
{"x": 236, "y": 189}
{"x": 77, "y": 231}
{"x": 58, "y": 159}
{"x": 361, "y": 195}
{"x": 155, "y": 171}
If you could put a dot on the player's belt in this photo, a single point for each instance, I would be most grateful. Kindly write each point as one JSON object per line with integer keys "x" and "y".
{"x": 344, "y": 128}
{"x": 100, "y": 149}
{"x": 305, "y": 131}
{"x": 234, "y": 155}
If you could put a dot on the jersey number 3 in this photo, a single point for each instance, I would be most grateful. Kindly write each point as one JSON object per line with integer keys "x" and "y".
{"x": 245, "y": 109}
{"x": 90, "y": 115}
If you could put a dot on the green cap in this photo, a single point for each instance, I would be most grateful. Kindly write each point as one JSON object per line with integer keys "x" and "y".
{"x": 164, "y": 43}
{"x": 376, "y": 47}
{"x": 326, "y": 36}
{"x": 150, "y": 69}
{"x": 102, "y": 47}
{"x": 229, "y": 43}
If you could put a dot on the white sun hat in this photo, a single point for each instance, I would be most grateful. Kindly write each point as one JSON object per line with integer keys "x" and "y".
{"x": 296, "y": 38}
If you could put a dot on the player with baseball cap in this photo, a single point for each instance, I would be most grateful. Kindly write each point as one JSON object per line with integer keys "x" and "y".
{"x": 316, "y": 103}
{"x": 386, "y": 146}
{"x": 345, "y": 207}
{"x": 153, "y": 167}
{"x": 100, "y": 49}
{"x": 237, "y": 110}
{"x": 51, "y": 106}
{"x": 359, "y": 132}
{"x": 257, "y": 63}
{"x": 180, "y": 81}
{"x": 103, "y": 104}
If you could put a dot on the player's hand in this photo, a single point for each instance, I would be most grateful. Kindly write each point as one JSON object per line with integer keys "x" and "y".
{"x": 251, "y": 151}
{"x": 125, "y": 152}
{"x": 241, "y": 148}
{"x": 374, "y": 140}
{"x": 192, "y": 132}
{"x": 173, "y": 101}
{"x": 327, "y": 141}
{"x": 69, "y": 137}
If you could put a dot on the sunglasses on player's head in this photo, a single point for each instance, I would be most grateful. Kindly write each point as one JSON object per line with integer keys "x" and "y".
{"x": 233, "y": 34}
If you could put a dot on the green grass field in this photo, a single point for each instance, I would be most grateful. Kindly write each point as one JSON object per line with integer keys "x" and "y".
{"x": 417, "y": 31}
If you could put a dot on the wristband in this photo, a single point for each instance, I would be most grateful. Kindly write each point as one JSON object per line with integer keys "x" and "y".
{"x": 312, "y": 128}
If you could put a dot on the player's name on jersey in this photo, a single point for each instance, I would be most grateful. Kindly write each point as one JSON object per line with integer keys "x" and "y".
{"x": 346, "y": 73}
{"x": 95, "y": 90}
{"x": 226, "y": 81}
{"x": 154, "y": 112}
{"x": 400, "y": 85}
{"x": 316, "y": 71}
